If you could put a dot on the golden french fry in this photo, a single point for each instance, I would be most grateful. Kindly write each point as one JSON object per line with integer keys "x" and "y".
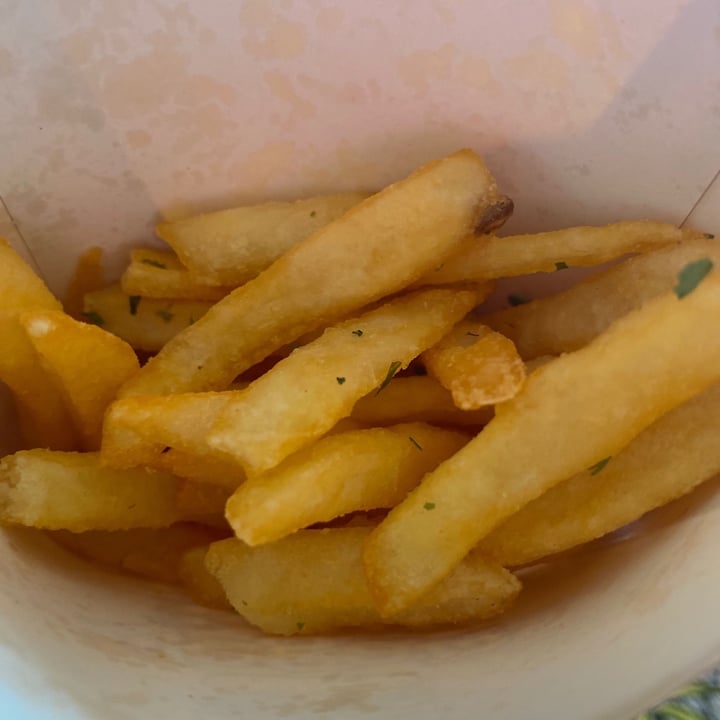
{"x": 667, "y": 460}
{"x": 87, "y": 365}
{"x": 567, "y": 321}
{"x": 340, "y": 474}
{"x": 158, "y": 274}
{"x": 154, "y": 553}
{"x": 230, "y": 247}
{"x": 477, "y": 365}
{"x": 313, "y": 582}
{"x": 138, "y": 430}
{"x": 145, "y": 323}
{"x": 70, "y": 491}
{"x": 44, "y": 418}
{"x": 89, "y": 276}
{"x": 571, "y": 414}
{"x": 305, "y": 394}
{"x": 198, "y": 468}
{"x": 378, "y": 248}
{"x": 493, "y": 257}
{"x": 204, "y": 588}
{"x": 416, "y": 399}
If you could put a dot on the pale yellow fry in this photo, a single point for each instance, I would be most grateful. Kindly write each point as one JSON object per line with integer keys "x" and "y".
{"x": 87, "y": 365}
{"x": 313, "y": 582}
{"x": 89, "y": 275}
{"x": 305, "y": 394}
{"x": 204, "y": 588}
{"x": 158, "y": 274}
{"x": 477, "y": 365}
{"x": 138, "y": 430}
{"x": 571, "y": 413}
{"x": 44, "y": 419}
{"x": 340, "y": 474}
{"x": 199, "y": 468}
{"x": 379, "y": 247}
{"x": 145, "y": 323}
{"x": 567, "y": 321}
{"x": 154, "y": 553}
{"x": 669, "y": 459}
{"x": 497, "y": 257}
{"x": 70, "y": 491}
{"x": 416, "y": 399}
{"x": 233, "y": 246}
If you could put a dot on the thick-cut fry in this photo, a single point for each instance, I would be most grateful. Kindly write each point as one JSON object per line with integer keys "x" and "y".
{"x": 416, "y": 399}
{"x": 89, "y": 276}
{"x": 138, "y": 430}
{"x": 199, "y": 468}
{"x": 479, "y": 366}
{"x": 379, "y": 247}
{"x": 149, "y": 552}
{"x": 204, "y": 588}
{"x": 669, "y": 459}
{"x": 230, "y": 247}
{"x": 87, "y": 365}
{"x": 158, "y": 274}
{"x": 340, "y": 474}
{"x": 44, "y": 418}
{"x": 567, "y": 321}
{"x": 305, "y": 394}
{"x": 571, "y": 414}
{"x": 145, "y": 323}
{"x": 493, "y": 257}
{"x": 313, "y": 582}
{"x": 70, "y": 491}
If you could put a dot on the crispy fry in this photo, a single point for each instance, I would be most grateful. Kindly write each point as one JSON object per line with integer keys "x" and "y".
{"x": 158, "y": 274}
{"x": 89, "y": 276}
{"x": 204, "y": 588}
{"x": 87, "y": 365}
{"x": 305, "y": 394}
{"x": 669, "y": 459}
{"x": 340, "y": 474}
{"x": 567, "y": 321}
{"x": 230, "y": 247}
{"x": 493, "y": 257}
{"x": 44, "y": 418}
{"x": 154, "y": 553}
{"x": 70, "y": 491}
{"x": 283, "y": 589}
{"x": 480, "y": 367}
{"x": 572, "y": 413}
{"x": 378, "y": 248}
{"x": 145, "y": 323}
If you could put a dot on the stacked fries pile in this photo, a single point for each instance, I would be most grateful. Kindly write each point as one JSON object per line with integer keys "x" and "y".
{"x": 327, "y": 433}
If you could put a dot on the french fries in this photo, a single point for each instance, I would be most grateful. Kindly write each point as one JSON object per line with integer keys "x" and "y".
{"x": 144, "y": 323}
{"x": 159, "y": 274}
{"x": 478, "y": 366}
{"x": 305, "y": 394}
{"x": 230, "y": 247}
{"x": 203, "y": 502}
{"x": 70, "y": 491}
{"x": 669, "y": 459}
{"x": 572, "y": 413}
{"x": 152, "y": 553}
{"x": 284, "y": 589}
{"x": 416, "y": 399}
{"x": 318, "y": 484}
{"x": 86, "y": 364}
{"x": 88, "y": 277}
{"x": 203, "y": 587}
{"x": 496, "y": 257}
{"x": 381, "y": 246}
{"x": 43, "y": 416}
{"x": 567, "y": 321}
